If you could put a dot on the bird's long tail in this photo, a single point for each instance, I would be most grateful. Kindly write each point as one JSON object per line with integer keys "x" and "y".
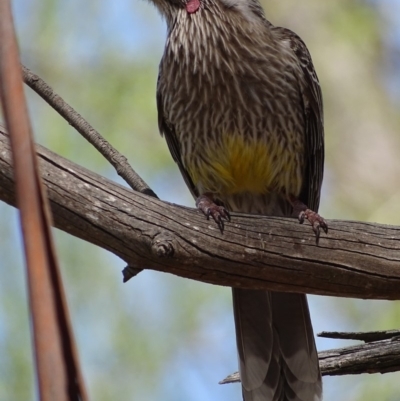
{"x": 278, "y": 360}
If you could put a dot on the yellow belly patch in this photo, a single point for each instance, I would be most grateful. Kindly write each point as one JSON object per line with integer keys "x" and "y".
{"x": 238, "y": 166}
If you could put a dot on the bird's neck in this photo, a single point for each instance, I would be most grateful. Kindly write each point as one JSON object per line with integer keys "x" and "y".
{"x": 216, "y": 38}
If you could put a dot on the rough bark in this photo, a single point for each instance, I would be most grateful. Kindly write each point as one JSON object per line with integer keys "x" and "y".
{"x": 359, "y": 260}
{"x": 376, "y": 356}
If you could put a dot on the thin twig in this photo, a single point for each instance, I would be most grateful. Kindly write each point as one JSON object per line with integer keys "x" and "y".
{"x": 117, "y": 160}
{"x": 367, "y": 337}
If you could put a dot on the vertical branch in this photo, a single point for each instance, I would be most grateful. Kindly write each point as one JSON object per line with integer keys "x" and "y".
{"x": 58, "y": 372}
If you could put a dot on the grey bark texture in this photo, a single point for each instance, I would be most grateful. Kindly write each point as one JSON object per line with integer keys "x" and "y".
{"x": 359, "y": 260}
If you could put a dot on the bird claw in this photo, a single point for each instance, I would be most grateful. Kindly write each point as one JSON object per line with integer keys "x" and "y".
{"x": 210, "y": 208}
{"x": 316, "y": 221}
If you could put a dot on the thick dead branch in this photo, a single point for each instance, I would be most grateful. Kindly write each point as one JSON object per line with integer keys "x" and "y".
{"x": 373, "y": 357}
{"x": 358, "y": 260}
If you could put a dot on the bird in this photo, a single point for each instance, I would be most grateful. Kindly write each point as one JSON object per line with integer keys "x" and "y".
{"x": 240, "y": 106}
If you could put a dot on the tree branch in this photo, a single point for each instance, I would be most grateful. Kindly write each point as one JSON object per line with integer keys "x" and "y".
{"x": 367, "y": 337}
{"x": 373, "y": 357}
{"x": 116, "y": 159}
{"x": 357, "y": 260}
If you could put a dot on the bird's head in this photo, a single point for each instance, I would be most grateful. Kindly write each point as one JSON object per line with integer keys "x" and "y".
{"x": 251, "y": 10}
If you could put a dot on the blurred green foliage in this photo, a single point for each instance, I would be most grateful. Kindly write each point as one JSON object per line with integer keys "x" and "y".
{"x": 161, "y": 337}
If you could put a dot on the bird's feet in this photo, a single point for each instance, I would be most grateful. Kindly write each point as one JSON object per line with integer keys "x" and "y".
{"x": 206, "y": 204}
{"x": 317, "y": 222}
{"x": 304, "y": 213}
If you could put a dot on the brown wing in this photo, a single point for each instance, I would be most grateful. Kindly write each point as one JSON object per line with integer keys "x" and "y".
{"x": 313, "y": 111}
{"x": 168, "y": 131}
